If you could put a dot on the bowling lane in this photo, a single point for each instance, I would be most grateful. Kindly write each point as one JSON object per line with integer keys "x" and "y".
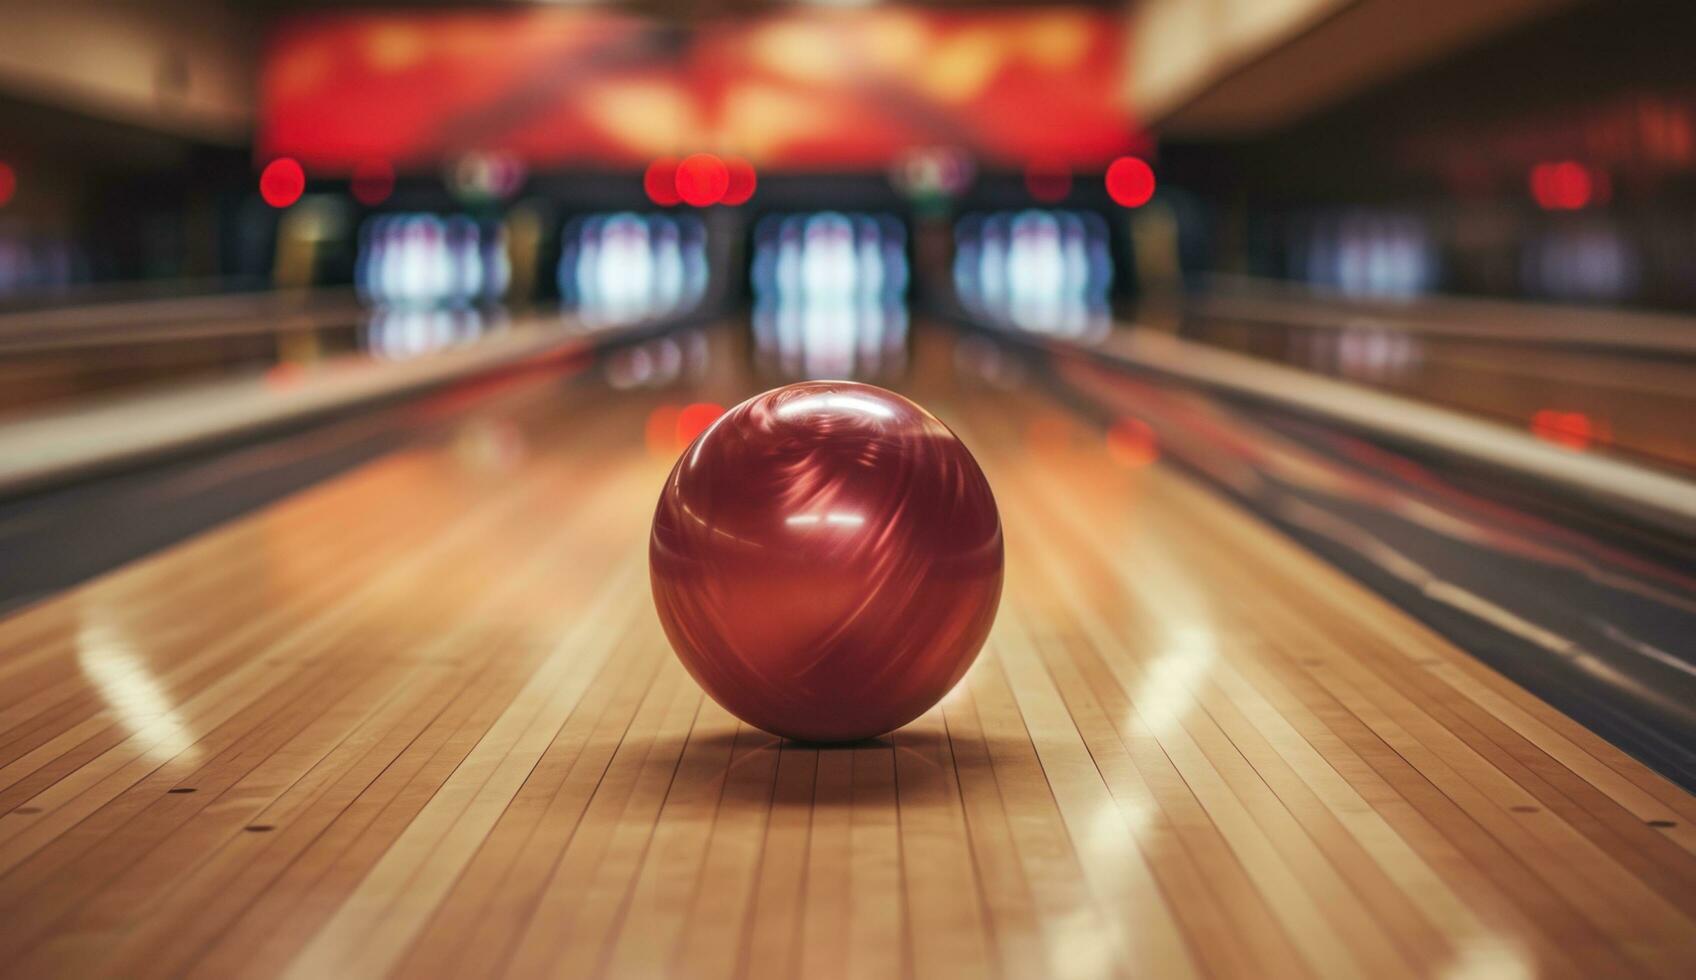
{"x": 420, "y": 720}
{"x": 52, "y": 358}
{"x": 1591, "y": 380}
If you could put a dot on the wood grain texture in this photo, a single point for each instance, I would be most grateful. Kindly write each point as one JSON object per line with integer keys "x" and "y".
{"x": 421, "y": 721}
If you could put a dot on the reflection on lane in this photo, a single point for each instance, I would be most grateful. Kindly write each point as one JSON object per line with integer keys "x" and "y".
{"x": 126, "y": 682}
{"x": 658, "y": 363}
{"x": 830, "y": 296}
{"x": 1569, "y": 605}
{"x": 431, "y": 283}
{"x": 401, "y": 333}
{"x": 1595, "y": 380}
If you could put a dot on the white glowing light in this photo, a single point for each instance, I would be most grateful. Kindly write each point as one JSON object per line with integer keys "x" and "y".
{"x": 835, "y": 402}
{"x": 126, "y": 683}
{"x": 1166, "y": 694}
{"x": 837, "y": 518}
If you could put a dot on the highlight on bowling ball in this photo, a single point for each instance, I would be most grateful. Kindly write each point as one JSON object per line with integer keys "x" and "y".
{"x": 826, "y": 560}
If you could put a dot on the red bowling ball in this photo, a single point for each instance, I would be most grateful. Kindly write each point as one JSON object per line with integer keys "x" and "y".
{"x": 826, "y": 559}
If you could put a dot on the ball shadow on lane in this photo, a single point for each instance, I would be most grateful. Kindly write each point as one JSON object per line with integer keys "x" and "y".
{"x": 767, "y": 772}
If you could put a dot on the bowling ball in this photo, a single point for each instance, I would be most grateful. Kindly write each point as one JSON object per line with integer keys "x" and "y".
{"x": 826, "y": 560}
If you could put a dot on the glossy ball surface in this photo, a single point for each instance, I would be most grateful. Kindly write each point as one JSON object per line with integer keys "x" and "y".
{"x": 826, "y": 560}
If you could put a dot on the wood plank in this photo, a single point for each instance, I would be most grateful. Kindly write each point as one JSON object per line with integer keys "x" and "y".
{"x": 420, "y": 721}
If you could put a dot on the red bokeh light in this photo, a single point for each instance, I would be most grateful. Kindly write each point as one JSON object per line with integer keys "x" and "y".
{"x": 702, "y": 180}
{"x": 1131, "y": 443}
{"x": 8, "y": 183}
{"x": 1130, "y": 182}
{"x": 742, "y": 181}
{"x": 1573, "y": 430}
{"x": 694, "y": 419}
{"x": 660, "y": 182}
{"x": 1048, "y": 180}
{"x": 373, "y": 181}
{"x": 1563, "y": 186}
{"x": 282, "y": 182}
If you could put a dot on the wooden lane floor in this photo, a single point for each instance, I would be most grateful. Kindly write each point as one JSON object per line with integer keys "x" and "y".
{"x": 420, "y": 720}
